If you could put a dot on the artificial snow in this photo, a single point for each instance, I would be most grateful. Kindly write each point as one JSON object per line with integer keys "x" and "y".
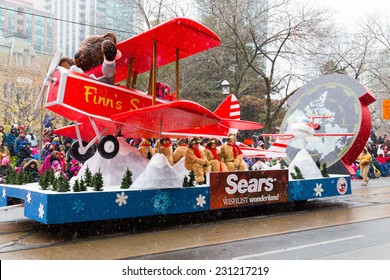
{"x": 114, "y": 169}
{"x": 306, "y": 164}
{"x": 158, "y": 174}
{"x": 154, "y": 174}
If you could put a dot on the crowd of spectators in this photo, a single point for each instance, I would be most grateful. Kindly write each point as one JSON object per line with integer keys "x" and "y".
{"x": 378, "y": 147}
{"x": 20, "y": 148}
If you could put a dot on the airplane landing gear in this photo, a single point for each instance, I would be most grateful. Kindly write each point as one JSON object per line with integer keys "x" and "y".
{"x": 108, "y": 146}
{"x": 77, "y": 154}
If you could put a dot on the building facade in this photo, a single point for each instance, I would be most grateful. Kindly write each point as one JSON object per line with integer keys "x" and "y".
{"x": 20, "y": 19}
{"x": 78, "y": 19}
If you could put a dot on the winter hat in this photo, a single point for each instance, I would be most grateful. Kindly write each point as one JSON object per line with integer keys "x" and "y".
{"x": 232, "y": 137}
{"x": 56, "y": 166}
{"x": 212, "y": 141}
{"x": 195, "y": 140}
{"x": 5, "y": 160}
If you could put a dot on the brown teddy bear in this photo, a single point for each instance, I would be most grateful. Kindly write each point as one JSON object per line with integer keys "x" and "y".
{"x": 94, "y": 51}
{"x": 196, "y": 161}
{"x": 180, "y": 151}
{"x": 211, "y": 153}
{"x": 165, "y": 148}
{"x": 231, "y": 154}
{"x": 145, "y": 148}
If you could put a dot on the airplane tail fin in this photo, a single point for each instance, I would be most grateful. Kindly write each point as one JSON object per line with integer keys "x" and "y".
{"x": 229, "y": 112}
{"x": 229, "y": 108}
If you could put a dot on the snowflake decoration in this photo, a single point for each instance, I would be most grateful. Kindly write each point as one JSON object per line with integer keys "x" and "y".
{"x": 201, "y": 200}
{"x": 161, "y": 201}
{"x": 41, "y": 211}
{"x": 121, "y": 199}
{"x": 4, "y": 193}
{"x": 29, "y": 198}
{"x": 297, "y": 192}
{"x": 78, "y": 206}
{"x": 318, "y": 189}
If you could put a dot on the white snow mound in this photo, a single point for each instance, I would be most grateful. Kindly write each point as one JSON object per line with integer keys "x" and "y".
{"x": 306, "y": 164}
{"x": 158, "y": 174}
{"x": 114, "y": 169}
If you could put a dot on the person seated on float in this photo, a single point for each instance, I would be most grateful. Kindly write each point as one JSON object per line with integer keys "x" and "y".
{"x": 231, "y": 154}
{"x": 211, "y": 153}
{"x": 196, "y": 161}
{"x": 164, "y": 146}
{"x": 180, "y": 151}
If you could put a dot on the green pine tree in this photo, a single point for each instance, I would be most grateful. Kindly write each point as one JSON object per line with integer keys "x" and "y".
{"x": 83, "y": 187}
{"x": 54, "y": 184}
{"x": 43, "y": 181}
{"x": 97, "y": 181}
{"x": 50, "y": 176}
{"x": 10, "y": 176}
{"x": 29, "y": 177}
{"x": 42, "y": 178}
{"x": 298, "y": 174}
{"x": 185, "y": 182}
{"x": 63, "y": 184}
{"x": 19, "y": 177}
{"x": 25, "y": 177}
{"x": 324, "y": 170}
{"x": 88, "y": 177}
{"x": 191, "y": 179}
{"x": 127, "y": 179}
{"x": 76, "y": 186}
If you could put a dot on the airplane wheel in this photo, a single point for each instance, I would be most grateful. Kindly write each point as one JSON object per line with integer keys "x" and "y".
{"x": 108, "y": 146}
{"x": 75, "y": 153}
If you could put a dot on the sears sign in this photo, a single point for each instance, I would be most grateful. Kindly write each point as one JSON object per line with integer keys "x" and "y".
{"x": 235, "y": 189}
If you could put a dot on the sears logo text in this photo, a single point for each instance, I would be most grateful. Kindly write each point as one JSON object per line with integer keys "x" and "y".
{"x": 245, "y": 186}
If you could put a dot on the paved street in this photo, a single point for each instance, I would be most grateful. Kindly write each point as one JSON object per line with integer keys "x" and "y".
{"x": 21, "y": 238}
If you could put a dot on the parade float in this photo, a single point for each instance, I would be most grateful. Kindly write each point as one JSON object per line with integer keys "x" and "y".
{"x": 104, "y": 114}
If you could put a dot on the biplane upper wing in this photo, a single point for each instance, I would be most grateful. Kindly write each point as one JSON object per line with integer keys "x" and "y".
{"x": 146, "y": 122}
{"x": 179, "y": 36}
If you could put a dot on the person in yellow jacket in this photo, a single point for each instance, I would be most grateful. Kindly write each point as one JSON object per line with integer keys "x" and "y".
{"x": 211, "y": 153}
{"x": 196, "y": 161}
{"x": 231, "y": 154}
{"x": 365, "y": 161}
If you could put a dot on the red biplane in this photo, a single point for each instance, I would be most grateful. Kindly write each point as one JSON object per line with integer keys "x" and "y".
{"x": 101, "y": 112}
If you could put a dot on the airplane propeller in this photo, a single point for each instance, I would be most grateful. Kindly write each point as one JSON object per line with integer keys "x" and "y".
{"x": 52, "y": 67}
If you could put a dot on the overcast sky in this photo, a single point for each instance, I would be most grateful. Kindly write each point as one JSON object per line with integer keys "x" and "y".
{"x": 349, "y": 12}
